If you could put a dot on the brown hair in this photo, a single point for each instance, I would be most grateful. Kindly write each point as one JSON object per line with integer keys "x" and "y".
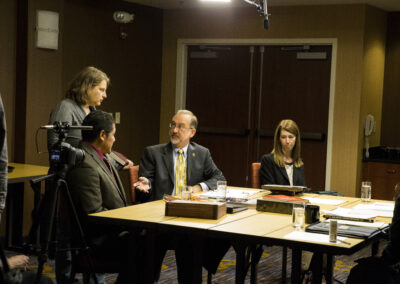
{"x": 83, "y": 81}
{"x": 290, "y": 126}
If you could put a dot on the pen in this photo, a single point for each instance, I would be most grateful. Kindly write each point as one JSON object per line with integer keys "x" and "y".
{"x": 368, "y": 220}
{"x": 341, "y": 241}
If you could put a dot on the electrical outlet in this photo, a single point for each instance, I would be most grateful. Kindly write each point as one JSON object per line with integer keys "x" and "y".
{"x": 117, "y": 118}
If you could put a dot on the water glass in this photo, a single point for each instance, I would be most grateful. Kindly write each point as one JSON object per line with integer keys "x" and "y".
{"x": 366, "y": 191}
{"x": 298, "y": 215}
{"x": 221, "y": 191}
{"x": 186, "y": 193}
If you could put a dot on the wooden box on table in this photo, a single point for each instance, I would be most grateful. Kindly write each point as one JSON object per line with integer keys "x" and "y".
{"x": 193, "y": 209}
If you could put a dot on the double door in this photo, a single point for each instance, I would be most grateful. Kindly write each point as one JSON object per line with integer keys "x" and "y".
{"x": 240, "y": 94}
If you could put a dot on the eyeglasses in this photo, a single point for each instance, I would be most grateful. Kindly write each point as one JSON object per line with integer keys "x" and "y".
{"x": 179, "y": 127}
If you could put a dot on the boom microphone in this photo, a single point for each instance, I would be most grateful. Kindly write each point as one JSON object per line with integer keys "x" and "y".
{"x": 62, "y": 126}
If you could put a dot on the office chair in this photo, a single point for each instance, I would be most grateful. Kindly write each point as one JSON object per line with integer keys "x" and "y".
{"x": 133, "y": 178}
{"x": 255, "y": 175}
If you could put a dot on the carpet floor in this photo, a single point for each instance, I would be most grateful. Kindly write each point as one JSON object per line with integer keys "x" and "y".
{"x": 269, "y": 267}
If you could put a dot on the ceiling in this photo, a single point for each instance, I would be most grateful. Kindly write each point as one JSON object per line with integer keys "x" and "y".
{"x": 387, "y": 5}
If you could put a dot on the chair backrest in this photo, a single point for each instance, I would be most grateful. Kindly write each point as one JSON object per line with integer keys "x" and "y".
{"x": 133, "y": 178}
{"x": 255, "y": 175}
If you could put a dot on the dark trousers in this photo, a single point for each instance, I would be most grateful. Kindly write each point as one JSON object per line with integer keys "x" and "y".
{"x": 191, "y": 254}
{"x": 122, "y": 251}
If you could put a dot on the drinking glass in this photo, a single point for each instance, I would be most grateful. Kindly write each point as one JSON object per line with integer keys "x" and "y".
{"x": 221, "y": 191}
{"x": 366, "y": 191}
{"x": 186, "y": 193}
{"x": 298, "y": 215}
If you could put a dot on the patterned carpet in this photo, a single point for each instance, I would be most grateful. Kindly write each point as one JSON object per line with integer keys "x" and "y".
{"x": 269, "y": 268}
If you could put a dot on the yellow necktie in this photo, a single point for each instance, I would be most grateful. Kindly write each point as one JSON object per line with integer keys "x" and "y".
{"x": 180, "y": 173}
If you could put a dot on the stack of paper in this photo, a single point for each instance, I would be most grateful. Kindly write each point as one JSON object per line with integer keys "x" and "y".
{"x": 231, "y": 193}
{"x": 381, "y": 209}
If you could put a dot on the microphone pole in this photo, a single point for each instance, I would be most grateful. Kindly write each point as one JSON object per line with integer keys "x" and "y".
{"x": 265, "y": 13}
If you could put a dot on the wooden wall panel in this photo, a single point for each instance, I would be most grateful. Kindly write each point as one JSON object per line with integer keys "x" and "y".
{"x": 88, "y": 35}
{"x": 91, "y": 37}
{"x": 391, "y": 99}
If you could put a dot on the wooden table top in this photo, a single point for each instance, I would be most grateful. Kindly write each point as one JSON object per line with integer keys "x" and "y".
{"x": 24, "y": 172}
{"x": 145, "y": 212}
{"x": 249, "y": 223}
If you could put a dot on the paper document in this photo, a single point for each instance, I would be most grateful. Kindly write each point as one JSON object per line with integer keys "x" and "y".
{"x": 350, "y": 212}
{"x": 316, "y": 200}
{"x": 381, "y": 209}
{"x": 313, "y": 237}
{"x": 230, "y": 193}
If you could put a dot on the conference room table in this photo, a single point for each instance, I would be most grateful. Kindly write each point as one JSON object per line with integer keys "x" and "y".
{"x": 244, "y": 230}
{"x": 20, "y": 174}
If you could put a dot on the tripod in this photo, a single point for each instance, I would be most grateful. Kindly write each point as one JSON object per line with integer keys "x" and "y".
{"x": 50, "y": 205}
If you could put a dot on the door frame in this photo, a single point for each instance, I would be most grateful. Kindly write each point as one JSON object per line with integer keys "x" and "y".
{"x": 181, "y": 73}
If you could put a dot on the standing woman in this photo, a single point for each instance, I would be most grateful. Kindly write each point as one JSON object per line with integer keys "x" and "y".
{"x": 86, "y": 91}
{"x": 284, "y": 165}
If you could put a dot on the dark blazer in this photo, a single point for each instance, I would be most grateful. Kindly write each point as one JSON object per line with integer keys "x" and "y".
{"x": 157, "y": 165}
{"x": 271, "y": 173}
{"x": 93, "y": 187}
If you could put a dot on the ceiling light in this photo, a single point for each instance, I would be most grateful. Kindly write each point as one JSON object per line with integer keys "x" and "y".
{"x": 215, "y": 0}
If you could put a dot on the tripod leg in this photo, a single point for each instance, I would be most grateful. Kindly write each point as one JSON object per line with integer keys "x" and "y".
{"x": 81, "y": 234}
{"x": 43, "y": 256}
{"x": 37, "y": 216}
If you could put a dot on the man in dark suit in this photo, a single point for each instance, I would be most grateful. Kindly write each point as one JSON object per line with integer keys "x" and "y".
{"x": 96, "y": 186}
{"x": 157, "y": 166}
{"x": 157, "y": 176}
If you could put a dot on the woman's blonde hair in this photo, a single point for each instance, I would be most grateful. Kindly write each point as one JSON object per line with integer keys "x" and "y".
{"x": 86, "y": 79}
{"x": 290, "y": 126}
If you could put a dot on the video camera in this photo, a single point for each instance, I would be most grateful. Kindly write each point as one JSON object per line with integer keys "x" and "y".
{"x": 63, "y": 155}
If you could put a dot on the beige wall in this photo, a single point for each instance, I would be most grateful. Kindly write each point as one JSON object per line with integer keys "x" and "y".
{"x": 346, "y": 23}
{"x": 373, "y": 70}
{"x": 373, "y": 75}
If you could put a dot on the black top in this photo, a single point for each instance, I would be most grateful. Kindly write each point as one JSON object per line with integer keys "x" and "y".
{"x": 271, "y": 173}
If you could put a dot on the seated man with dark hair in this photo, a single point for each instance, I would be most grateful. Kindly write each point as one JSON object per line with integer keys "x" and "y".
{"x": 96, "y": 186}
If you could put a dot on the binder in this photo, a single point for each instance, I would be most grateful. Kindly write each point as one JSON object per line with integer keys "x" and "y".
{"x": 344, "y": 230}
